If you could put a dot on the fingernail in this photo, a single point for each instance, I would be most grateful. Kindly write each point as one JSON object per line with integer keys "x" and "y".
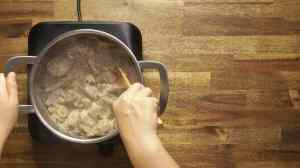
{"x": 13, "y": 76}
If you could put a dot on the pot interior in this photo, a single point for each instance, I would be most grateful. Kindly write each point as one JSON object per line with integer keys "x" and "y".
{"x": 68, "y": 63}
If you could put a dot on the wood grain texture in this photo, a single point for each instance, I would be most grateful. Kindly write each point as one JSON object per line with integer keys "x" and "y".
{"x": 24, "y": 8}
{"x": 234, "y": 80}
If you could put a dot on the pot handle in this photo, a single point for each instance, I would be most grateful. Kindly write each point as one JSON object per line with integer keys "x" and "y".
{"x": 164, "y": 81}
{"x": 9, "y": 68}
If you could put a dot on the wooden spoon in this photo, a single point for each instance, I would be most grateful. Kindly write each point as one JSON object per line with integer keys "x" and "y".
{"x": 124, "y": 77}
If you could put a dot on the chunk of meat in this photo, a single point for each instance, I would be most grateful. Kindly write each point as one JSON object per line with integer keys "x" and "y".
{"x": 82, "y": 102}
{"x": 59, "y": 112}
{"x": 91, "y": 91}
{"x": 70, "y": 124}
{"x": 109, "y": 76}
{"x": 56, "y": 97}
{"x": 59, "y": 67}
{"x": 86, "y": 122}
{"x": 103, "y": 127}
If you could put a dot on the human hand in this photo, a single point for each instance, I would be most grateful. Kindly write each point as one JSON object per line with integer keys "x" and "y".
{"x": 8, "y": 104}
{"x": 136, "y": 114}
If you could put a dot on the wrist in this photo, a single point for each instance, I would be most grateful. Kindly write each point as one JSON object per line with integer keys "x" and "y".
{"x": 3, "y": 137}
{"x": 4, "y": 132}
{"x": 145, "y": 143}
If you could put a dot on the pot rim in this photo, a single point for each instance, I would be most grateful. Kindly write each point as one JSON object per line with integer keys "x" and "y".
{"x": 43, "y": 54}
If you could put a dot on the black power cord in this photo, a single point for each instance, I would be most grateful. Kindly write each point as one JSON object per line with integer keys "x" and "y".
{"x": 79, "y": 16}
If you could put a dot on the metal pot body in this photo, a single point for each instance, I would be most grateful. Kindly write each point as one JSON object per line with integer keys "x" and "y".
{"x": 36, "y": 60}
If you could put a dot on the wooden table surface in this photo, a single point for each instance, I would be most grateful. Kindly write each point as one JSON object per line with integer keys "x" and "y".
{"x": 234, "y": 79}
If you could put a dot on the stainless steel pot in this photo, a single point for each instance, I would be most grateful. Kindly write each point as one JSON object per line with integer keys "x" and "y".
{"x": 36, "y": 61}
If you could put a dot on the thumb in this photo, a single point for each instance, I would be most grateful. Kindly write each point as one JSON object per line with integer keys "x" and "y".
{"x": 12, "y": 89}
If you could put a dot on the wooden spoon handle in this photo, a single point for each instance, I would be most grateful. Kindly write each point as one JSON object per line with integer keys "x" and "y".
{"x": 127, "y": 82}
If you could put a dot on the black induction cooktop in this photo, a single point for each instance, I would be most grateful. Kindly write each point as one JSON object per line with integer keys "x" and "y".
{"x": 42, "y": 33}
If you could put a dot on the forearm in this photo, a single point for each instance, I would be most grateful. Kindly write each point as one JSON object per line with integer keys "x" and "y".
{"x": 3, "y": 137}
{"x": 149, "y": 153}
{"x": 1, "y": 147}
